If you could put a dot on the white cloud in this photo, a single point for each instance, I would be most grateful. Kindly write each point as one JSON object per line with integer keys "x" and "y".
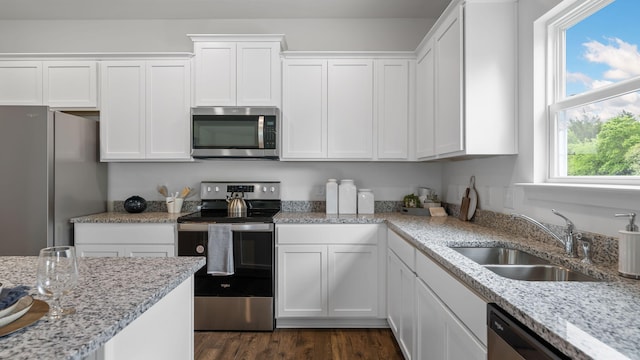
{"x": 622, "y": 58}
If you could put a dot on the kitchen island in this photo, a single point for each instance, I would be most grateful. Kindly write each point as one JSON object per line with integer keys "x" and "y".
{"x": 118, "y": 301}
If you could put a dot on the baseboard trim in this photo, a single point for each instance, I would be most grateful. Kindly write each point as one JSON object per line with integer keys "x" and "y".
{"x": 288, "y": 323}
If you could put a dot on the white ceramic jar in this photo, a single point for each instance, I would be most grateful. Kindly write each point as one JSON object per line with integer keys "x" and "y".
{"x": 365, "y": 201}
{"x": 347, "y": 197}
{"x": 331, "y": 193}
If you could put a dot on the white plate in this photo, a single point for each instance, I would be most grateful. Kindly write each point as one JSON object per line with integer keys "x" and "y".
{"x": 17, "y": 310}
{"x": 473, "y": 203}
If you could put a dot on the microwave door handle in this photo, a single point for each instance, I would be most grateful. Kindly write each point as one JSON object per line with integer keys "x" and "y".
{"x": 261, "y": 132}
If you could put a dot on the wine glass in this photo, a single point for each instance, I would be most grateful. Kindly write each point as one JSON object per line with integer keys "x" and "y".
{"x": 57, "y": 275}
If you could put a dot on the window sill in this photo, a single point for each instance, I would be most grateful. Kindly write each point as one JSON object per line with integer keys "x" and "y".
{"x": 610, "y": 196}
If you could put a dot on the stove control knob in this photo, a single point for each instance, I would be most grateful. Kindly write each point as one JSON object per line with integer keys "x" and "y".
{"x": 208, "y": 188}
{"x": 264, "y": 189}
{"x": 273, "y": 189}
{"x": 217, "y": 189}
{"x": 200, "y": 249}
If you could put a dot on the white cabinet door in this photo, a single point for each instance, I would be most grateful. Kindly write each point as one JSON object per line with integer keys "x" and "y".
{"x": 439, "y": 333}
{"x": 353, "y": 280}
{"x": 123, "y": 110}
{"x": 400, "y": 303}
{"x": 393, "y": 108}
{"x": 430, "y": 334}
{"x": 425, "y": 103}
{"x": 258, "y": 74}
{"x": 215, "y": 80}
{"x": 70, "y": 84}
{"x": 350, "y": 109}
{"x": 304, "y": 109}
{"x": 21, "y": 83}
{"x": 448, "y": 58}
{"x": 168, "y": 110}
{"x": 302, "y": 280}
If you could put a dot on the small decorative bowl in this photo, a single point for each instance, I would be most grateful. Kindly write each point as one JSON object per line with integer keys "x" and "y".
{"x": 135, "y": 204}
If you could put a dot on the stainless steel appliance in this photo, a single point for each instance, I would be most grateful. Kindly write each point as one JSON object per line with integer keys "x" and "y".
{"x": 244, "y": 300}
{"x": 235, "y": 132}
{"x": 50, "y": 173}
{"x": 508, "y": 339}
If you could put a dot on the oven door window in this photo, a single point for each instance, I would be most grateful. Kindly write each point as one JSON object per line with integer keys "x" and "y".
{"x": 253, "y": 253}
{"x": 225, "y": 132}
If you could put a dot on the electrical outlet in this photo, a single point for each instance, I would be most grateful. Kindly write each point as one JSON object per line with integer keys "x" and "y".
{"x": 319, "y": 191}
{"x": 508, "y": 197}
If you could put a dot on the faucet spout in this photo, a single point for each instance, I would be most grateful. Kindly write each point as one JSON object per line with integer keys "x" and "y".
{"x": 568, "y": 242}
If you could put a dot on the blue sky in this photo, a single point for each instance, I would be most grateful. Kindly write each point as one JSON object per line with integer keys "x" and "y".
{"x": 618, "y": 20}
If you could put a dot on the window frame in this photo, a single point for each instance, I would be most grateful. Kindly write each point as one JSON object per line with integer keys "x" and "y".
{"x": 556, "y": 102}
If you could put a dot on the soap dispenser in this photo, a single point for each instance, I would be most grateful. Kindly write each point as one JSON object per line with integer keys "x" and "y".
{"x": 629, "y": 249}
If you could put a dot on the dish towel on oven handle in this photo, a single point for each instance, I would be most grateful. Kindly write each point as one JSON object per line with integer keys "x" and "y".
{"x": 220, "y": 250}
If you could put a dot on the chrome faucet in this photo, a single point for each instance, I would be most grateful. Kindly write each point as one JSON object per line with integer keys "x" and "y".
{"x": 569, "y": 242}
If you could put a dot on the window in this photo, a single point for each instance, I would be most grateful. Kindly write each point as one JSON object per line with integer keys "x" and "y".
{"x": 594, "y": 93}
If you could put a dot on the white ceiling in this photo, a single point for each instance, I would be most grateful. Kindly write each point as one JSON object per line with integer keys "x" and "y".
{"x": 218, "y": 9}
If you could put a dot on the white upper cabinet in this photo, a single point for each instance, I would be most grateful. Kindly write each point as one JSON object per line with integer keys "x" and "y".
{"x": 304, "y": 103}
{"x": 394, "y": 85}
{"x": 56, "y": 83}
{"x": 425, "y": 104}
{"x": 467, "y": 82}
{"x": 145, "y": 112}
{"x": 350, "y": 109}
{"x": 21, "y": 83}
{"x": 70, "y": 84}
{"x": 337, "y": 107}
{"x": 237, "y": 70}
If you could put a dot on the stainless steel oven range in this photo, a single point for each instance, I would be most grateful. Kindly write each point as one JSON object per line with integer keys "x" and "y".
{"x": 241, "y": 296}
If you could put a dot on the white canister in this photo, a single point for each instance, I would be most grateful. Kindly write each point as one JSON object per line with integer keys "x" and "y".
{"x": 365, "y": 201}
{"x": 331, "y": 193}
{"x": 347, "y": 197}
{"x": 629, "y": 254}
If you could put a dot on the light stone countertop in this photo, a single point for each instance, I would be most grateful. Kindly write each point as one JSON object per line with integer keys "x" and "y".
{"x": 124, "y": 217}
{"x": 584, "y": 320}
{"x": 112, "y": 292}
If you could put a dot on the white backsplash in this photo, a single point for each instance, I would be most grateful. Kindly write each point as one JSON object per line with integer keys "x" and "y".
{"x": 300, "y": 180}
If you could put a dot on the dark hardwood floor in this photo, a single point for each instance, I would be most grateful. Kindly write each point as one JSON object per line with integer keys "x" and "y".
{"x": 307, "y": 344}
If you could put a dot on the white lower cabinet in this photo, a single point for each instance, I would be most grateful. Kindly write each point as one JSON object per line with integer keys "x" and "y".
{"x": 329, "y": 272}
{"x": 401, "y": 287}
{"x": 120, "y": 240}
{"x": 431, "y": 313}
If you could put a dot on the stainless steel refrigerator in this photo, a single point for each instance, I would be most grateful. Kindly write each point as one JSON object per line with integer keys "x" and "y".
{"x": 49, "y": 173}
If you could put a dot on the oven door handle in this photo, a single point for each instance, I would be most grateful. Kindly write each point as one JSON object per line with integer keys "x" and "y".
{"x": 234, "y": 227}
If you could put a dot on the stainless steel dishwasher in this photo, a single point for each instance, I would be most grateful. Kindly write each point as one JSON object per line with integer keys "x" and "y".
{"x": 509, "y": 339}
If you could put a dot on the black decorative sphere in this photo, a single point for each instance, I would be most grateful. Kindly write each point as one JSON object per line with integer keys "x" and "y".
{"x": 135, "y": 204}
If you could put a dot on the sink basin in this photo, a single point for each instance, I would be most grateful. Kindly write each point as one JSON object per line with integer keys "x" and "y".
{"x": 499, "y": 256}
{"x": 539, "y": 273}
{"x": 520, "y": 265}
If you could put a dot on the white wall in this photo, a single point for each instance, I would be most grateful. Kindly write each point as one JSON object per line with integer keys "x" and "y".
{"x": 170, "y": 35}
{"x": 300, "y": 180}
{"x": 590, "y": 209}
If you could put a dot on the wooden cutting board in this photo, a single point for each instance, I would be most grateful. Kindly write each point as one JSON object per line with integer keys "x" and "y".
{"x": 464, "y": 206}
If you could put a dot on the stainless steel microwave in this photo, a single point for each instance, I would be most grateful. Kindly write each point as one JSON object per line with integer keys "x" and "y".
{"x": 235, "y": 132}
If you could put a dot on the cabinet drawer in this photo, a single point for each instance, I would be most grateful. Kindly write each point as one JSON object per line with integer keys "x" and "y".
{"x": 327, "y": 234}
{"x": 404, "y": 250}
{"x": 464, "y": 303}
{"x": 125, "y": 234}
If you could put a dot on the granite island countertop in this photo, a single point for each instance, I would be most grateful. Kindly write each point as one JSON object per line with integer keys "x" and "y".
{"x": 111, "y": 293}
{"x": 127, "y": 218}
{"x": 585, "y": 320}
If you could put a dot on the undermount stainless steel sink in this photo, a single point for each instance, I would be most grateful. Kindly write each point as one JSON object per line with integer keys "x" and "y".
{"x": 499, "y": 256}
{"x": 539, "y": 273}
{"x": 520, "y": 265}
